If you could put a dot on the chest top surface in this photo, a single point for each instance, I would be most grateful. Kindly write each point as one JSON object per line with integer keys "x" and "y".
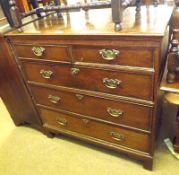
{"x": 151, "y": 21}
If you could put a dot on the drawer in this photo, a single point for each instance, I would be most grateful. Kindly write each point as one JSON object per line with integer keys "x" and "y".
{"x": 141, "y": 57}
{"x": 44, "y": 52}
{"x": 124, "y": 113}
{"x": 107, "y": 81}
{"x": 109, "y": 133}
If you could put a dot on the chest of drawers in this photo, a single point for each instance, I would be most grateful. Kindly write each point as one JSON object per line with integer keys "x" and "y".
{"x": 89, "y": 82}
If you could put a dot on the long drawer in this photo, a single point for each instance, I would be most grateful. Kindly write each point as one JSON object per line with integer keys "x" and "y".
{"x": 117, "y": 112}
{"x": 107, "y": 81}
{"x": 109, "y": 133}
{"x": 130, "y": 56}
{"x": 44, "y": 52}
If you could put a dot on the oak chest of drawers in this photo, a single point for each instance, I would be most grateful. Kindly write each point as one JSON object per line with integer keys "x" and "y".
{"x": 93, "y": 83}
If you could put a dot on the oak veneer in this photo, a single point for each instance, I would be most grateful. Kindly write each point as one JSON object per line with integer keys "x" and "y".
{"x": 133, "y": 115}
{"x": 12, "y": 88}
{"x": 92, "y": 79}
{"x": 72, "y": 88}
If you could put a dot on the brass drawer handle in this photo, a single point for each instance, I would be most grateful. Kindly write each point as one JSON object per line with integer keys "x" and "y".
{"x": 38, "y": 51}
{"x": 54, "y": 99}
{"x": 111, "y": 83}
{"x": 115, "y": 112}
{"x": 61, "y": 121}
{"x": 109, "y": 54}
{"x": 75, "y": 71}
{"x": 79, "y": 96}
{"x": 85, "y": 121}
{"x": 47, "y": 74}
{"x": 117, "y": 136}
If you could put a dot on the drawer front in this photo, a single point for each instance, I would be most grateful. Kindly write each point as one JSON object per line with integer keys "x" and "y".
{"x": 107, "y": 81}
{"x": 44, "y": 52}
{"x": 109, "y": 133}
{"x": 140, "y": 57}
{"x": 113, "y": 111}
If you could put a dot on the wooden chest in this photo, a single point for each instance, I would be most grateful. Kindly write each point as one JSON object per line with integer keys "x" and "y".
{"x": 93, "y": 83}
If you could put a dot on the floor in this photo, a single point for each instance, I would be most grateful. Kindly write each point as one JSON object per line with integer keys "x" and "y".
{"x": 24, "y": 151}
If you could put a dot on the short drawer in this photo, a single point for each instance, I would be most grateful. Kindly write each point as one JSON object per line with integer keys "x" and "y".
{"x": 130, "y": 56}
{"x": 104, "y": 132}
{"x": 107, "y": 81}
{"x": 44, "y": 52}
{"x": 116, "y": 112}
